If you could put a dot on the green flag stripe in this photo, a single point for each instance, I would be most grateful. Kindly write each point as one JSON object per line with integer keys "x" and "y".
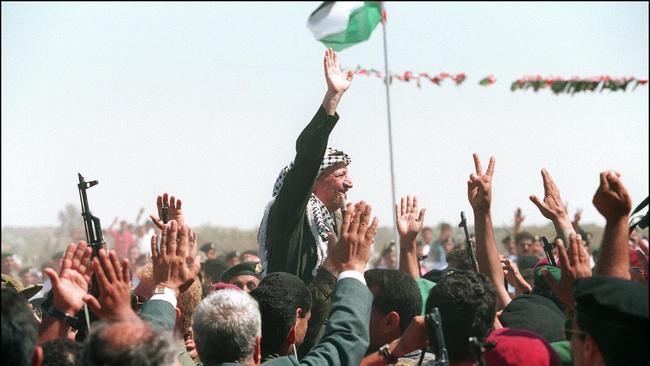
{"x": 360, "y": 26}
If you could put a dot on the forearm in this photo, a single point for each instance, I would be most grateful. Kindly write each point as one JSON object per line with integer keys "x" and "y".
{"x": 520, "y": 285}
{"x": 298, "y": 183}
{"x": 331, "y": 101}
{"x": 487, "y": 255}
{"x": 614, "y": 259}
{"x": 563, "y": 227}
{"x": 408, "y": 258}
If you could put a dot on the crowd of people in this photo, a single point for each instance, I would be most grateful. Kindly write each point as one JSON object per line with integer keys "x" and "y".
{"x": 312, "y": 296}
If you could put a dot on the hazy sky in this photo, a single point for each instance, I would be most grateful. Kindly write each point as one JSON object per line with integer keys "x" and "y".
{"x": 205, "y": 100}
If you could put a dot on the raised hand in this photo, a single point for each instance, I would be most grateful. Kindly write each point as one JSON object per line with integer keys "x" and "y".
{"x": 611, "y": 198}
{"x": 71, "y": 283}
{"x": 519, "y": 217}
{"x": 479, "y": 185}
{"x": 574, "y": 265}
{"x": 576, "y": 219}
{"x": 338, "y": 81}
{"x": 514, "y": 277}
{"x": 409, "y": 218}
{"x": 551, "y": 206}
{"x": 353, "y": 249}
{"x": 174, "y": 210}
{"x": 170, "y": 267}
{"x": 114, "y": 281}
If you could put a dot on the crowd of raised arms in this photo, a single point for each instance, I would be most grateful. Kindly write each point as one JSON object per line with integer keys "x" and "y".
{"x": 309, "y": 296}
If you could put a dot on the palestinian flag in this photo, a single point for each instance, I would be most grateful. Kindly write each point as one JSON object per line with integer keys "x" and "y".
{"x": 341, "y": 24}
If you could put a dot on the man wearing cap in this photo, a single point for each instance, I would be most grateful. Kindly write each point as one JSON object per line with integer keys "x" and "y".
{"x": 293, "y": 232}
{"x": 245, "y": 275}
{"x": 610, "y": 326}
{"x": 210, "y": 250}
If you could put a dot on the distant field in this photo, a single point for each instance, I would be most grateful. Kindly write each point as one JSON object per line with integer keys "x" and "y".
{"x": 36, "y": 245}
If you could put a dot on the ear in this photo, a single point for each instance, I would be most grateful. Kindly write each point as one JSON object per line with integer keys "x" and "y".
{"x": 257, "y": 356}
{"x": 38, "y": 356}
{"x": 392, "y": 321}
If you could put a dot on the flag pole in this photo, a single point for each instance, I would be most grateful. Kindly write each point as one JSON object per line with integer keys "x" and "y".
{"x": 390, "y": 137}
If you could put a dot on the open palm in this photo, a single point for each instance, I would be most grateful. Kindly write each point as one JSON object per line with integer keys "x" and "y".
{"x": 409, "y": 218}
{"x": 337, "y": 80}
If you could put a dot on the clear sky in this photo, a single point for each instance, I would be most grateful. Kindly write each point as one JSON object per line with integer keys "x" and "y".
{"x": 205, "y": 100}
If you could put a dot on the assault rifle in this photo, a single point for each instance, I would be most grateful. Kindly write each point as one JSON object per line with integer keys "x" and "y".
{"x": 433, "y": 323}
{"x": 469, "y": 244}
{"x": 548, "y": 249}
{"x": 479, "y": 348}
{"x": 95, "y": 240}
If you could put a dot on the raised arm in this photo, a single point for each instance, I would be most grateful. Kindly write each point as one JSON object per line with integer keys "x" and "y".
{"x": 68, "y": 287}
{"x": 409, "y": 223}
{"x": 312, "y": 143}
{"x": 614, "y": 203}
{"x": 479, "y": 192}
{"x": 553, "y": 208}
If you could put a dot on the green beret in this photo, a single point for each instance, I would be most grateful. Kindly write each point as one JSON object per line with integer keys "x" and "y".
{"x": 539, "y": 279}
{"x": 612, "y": 304}
{"x": 243, "y": 268}
{"x": 563, "y": 350}
{"x": 26, "y": 292}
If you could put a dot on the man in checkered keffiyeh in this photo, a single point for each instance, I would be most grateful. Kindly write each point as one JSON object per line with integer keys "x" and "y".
{"x": 300, "y": 215}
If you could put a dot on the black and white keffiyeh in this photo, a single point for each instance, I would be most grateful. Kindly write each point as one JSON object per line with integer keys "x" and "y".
{"x": 319, "y": 218}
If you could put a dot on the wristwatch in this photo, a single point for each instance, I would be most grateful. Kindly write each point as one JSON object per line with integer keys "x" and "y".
{"x": 161, "y": 290}
{"x": 385, "y": 353}
{"x": 69, "y": 319}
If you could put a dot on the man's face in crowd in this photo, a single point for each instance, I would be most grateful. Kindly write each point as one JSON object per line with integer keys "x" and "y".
{"x": 427, "y": 236}
{"x": 247, "y": 283}
{"x": 30, "y": 278}
{"x": 211, "y": 254}
{"x": 512, "y": 247}
{"x": 445, "y": 234}
{"x": 301, "y": 326}
{"x": 381, "y": 328}
{"x": 390, "y": 259}
{"x": 582, "y": 355}
{"x": 332, "y": 186}
{"x": 448, "y": 245}
{"x": 525, "y": 247}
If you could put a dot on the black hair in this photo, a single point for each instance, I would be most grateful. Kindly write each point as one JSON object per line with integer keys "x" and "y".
{"x": 19, "y": 330}
{"x": 397, "y": 291}
{"x": 458, "y": 256}
{"x": 524, "y": 235}
{"x": 279, "y": 295}
{"x": 214, "y": 268}
{"x": 61, "y": 352}
{"x": 467, "y": 304}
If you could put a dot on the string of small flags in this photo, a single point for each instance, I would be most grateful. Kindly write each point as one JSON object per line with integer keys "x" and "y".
{"x": 557, "y": 84}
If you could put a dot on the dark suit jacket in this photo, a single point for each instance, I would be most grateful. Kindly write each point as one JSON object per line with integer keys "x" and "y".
{"x": 290, "y": 245}
{"x": 346, "y": 336}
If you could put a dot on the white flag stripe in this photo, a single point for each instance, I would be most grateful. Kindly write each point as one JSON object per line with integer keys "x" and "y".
{"x": 334, "y": 22}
